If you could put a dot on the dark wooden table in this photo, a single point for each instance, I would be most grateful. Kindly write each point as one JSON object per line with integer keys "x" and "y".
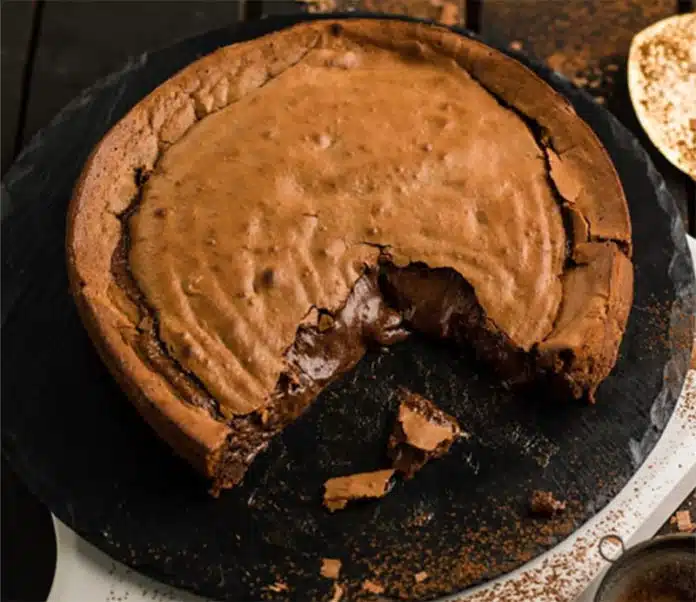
{"x": 51, "y": 50}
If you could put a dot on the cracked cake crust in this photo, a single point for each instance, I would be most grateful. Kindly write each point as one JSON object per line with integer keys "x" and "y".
{"x": 567, "y": 305}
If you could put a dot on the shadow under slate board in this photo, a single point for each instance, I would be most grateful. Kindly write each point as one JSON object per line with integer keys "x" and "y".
{"x": 73, "y": 437}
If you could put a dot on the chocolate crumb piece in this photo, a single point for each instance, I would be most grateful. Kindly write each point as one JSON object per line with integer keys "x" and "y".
{"x": 684, "y": 524}
{"x": 420, "y": 577}
{"x": 337, "y": 593}
{"x": 330, "y": 568}
{"x": 321, "y": 6}
{"x": 543, "y": 503}
{"x": 340, "y": 490}
{"x": 279, "y": 587}
{"x": 422, "y": 432}
{"x": 449, "y": 14}
{"x": 326, "y": 322}
{"x": 372, "y": 587}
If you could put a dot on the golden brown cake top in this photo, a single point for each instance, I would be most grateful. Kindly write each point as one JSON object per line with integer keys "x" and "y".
{"x": 279, "y": 167}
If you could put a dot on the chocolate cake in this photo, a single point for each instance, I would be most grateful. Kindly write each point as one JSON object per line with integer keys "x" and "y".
{"x": 422, "y": 432}
{"x": 246, "y": 231}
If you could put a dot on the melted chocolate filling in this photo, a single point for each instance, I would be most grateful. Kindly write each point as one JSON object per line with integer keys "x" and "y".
{"x": 318, "y": 355}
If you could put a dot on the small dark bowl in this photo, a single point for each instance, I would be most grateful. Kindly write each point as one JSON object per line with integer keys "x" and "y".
{"x": 661, "y": 569}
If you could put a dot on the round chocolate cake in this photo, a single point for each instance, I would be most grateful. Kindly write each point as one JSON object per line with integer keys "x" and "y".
{"x": 246, "y": 231}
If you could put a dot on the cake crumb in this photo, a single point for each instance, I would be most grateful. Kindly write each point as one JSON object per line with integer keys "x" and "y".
{"x": 372, "y": 587}
{"x": 320, "y": 6}
{"x": 684, "y": 524}
{"x": 449, "y": 14}
{"x": 340, "y": 490}
{"x": 420, "y": 577}
{"x": 337, "y": 593}
{"x": 516, "y": 45}
{"x": 330, "y": 568}
{"x": 326, "y": 322}
{"x": 422, "y": 432}
{"x": 544, "y": 503}
{"x": 279, "y": 587}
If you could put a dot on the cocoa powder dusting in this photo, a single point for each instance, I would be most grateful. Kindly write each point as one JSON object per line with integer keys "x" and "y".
{"x": 664, "y": 86}
{"x": 372, "y": 587}
{"x": 482, "y": 554}
{"x": 278, "y": 587}
{"x": 543, "y": 503}
{"x": 587, "y": 41}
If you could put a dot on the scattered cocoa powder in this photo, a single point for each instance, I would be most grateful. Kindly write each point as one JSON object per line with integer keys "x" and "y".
{"x": 278, "y": 587}
{"x": 543, "y": 503}
{"x": 484, "y": 553}
{"x": 419, "y": 519}
{"x": 372, "y": 587}
{"x": 588, "y": 39}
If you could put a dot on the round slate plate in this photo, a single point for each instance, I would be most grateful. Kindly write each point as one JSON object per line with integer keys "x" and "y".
{"x": 74, "y": 438}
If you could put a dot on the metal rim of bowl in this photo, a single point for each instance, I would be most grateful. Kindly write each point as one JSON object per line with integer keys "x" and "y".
{"x": 684, "y": 542}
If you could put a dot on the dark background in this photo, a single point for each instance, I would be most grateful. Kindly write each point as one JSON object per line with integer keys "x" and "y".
{"x": 51, "y": 50}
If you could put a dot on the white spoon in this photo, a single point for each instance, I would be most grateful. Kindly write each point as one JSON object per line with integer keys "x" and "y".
{"x": 662, "y": 86}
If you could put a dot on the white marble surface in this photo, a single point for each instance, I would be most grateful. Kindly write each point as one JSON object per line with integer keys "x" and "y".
{"x": 84, "y": 574}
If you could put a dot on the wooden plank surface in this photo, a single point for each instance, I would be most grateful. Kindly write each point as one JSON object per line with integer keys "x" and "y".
{"x": 16, "y": 19}
{"x": 77, "y": 43}
{"x": 258, "y": 9}
{"x": 81, "y": 42}
{"x": 448, "y": 12}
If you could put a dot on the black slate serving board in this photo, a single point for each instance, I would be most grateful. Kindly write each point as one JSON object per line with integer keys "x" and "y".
{"x": 71, "y": 434}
